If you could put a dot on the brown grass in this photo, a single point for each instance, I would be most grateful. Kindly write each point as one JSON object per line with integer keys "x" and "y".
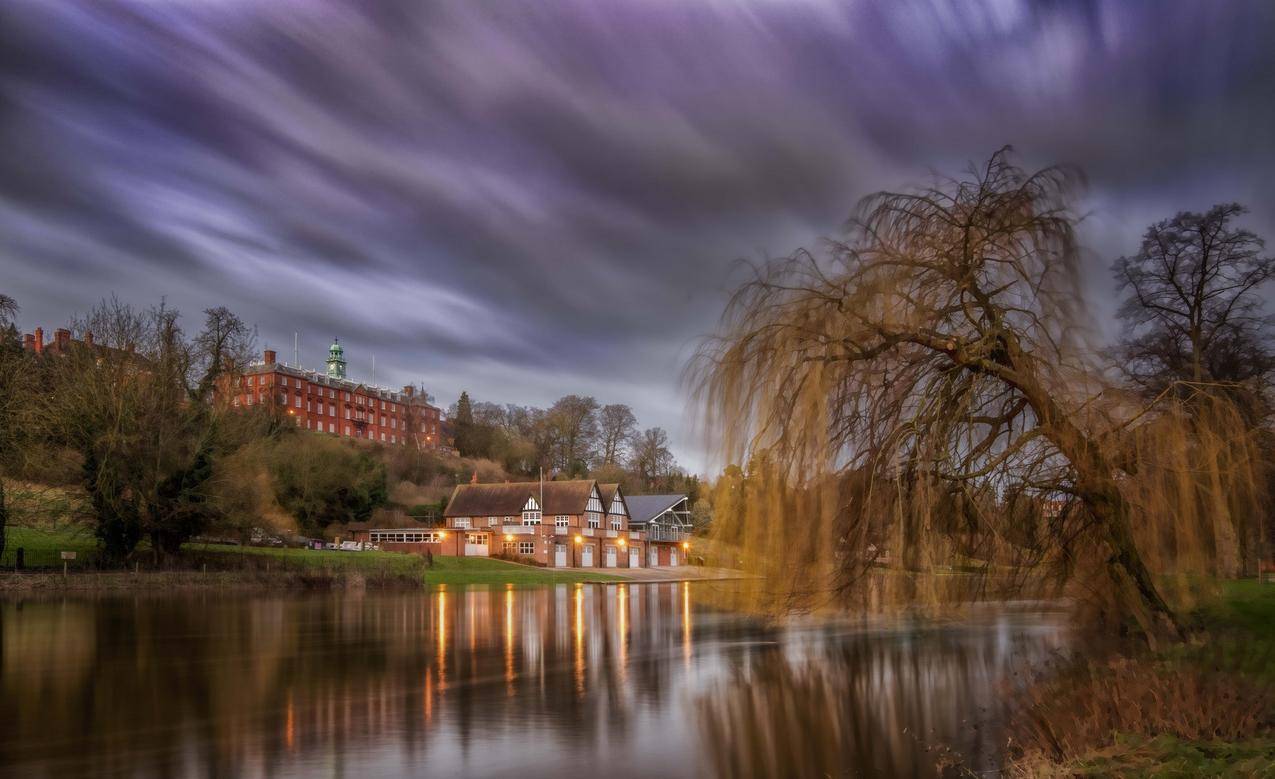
{"x": 1088, "y": 706}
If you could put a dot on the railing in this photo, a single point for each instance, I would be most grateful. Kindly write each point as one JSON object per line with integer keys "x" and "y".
{"x": 519, "y": 530}
{"x": 561, "y": 531}
{"x": 590, "y": 531}
{"x": 612, "y": 533}
{"x": 658, "y": 533}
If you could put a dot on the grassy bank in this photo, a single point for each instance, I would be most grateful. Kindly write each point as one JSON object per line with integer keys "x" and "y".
{"x": 222, "y": 564}
{"x": 1204, "y": 708}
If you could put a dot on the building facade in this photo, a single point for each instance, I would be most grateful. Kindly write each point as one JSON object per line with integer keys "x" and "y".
{"x": 333, "y": 404}
{"x": 558, "y": 524}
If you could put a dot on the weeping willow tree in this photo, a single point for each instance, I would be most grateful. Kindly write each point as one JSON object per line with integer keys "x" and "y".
{"x": 922, "y": 395}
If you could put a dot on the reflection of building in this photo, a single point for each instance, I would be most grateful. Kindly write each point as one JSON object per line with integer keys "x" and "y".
{"x": 562, "y": 524}
{"x": 331, "y": 403}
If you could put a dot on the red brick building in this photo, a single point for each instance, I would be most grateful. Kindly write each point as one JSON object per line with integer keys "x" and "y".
{"x": 331, "y": 403}
{"x": 560, "y": 524}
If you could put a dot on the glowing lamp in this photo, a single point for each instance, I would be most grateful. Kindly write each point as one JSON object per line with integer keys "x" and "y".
{"x": 579, "y": 539}
{"x": 622, "y": 542}
{"x": 509, "y": 537}
{"x": 686, "y": 544}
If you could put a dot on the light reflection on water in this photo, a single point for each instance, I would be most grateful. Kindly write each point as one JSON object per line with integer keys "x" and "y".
{"x": 595, "y": 680}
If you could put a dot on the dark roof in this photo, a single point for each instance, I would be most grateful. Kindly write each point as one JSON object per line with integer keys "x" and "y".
{"x": 496, "y": 500}
{"x": 644, "y": 508}
{"x": 607, "y": 491}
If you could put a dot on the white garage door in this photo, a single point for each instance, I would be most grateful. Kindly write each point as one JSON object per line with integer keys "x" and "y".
{"x": 586, "y": 556}
{"x": 635, "y": 558}
{"x": 672, "y": 557}
{"x": 609, "y": 558}
{"x": 560, "y": 555}
{"x": 654, "y": 557}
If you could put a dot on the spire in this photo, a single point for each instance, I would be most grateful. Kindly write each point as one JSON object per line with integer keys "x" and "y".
{"x": 336, "y": 359}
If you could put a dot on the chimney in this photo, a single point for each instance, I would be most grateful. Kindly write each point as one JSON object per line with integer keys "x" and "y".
{"x": 409, "y": 390}
{"x": 39, "y": 340}
{"x": 88, "y": 338}
{"x": 270, "y": 356}
{"x": 28, "y": 342}
{"x": 62, "y": 337}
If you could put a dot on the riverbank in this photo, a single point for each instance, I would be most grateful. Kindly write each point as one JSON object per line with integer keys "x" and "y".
{"x": 1204, "y": 708}
{"x": 229, "y": 566}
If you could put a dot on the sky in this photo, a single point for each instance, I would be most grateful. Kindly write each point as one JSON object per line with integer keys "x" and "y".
{"x": 526, "y": 200}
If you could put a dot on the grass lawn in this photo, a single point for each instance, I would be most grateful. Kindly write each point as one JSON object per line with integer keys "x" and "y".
{"x": 43, "y": 550}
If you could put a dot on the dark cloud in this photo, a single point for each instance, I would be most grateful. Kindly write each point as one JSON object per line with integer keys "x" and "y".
{"x": 527, "y": 200}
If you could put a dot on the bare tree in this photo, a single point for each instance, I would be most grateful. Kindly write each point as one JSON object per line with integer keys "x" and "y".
{"x": 927, "y": 372}
{"x": 1193, "y": 311}
{"x": 652, "y": 459}
{"x": 616, "y": 428}
{"x": 573, "y": 420}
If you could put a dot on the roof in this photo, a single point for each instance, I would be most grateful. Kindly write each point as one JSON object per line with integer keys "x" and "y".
{"x": 495, "y": 500}
{"x": 644, "y": 508}
{"x": 607, "y": 492}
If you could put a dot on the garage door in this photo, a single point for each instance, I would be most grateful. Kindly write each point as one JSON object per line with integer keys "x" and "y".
{"x": 560, "y": 555}
{"x": 610, "y": 557}
{"x": 586, "y": 556}
{"x": 635, "y": 558}
{"x": 654, "y": 557}
{"x": 672, "y": 557}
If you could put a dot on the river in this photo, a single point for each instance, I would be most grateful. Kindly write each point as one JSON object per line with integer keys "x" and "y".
{"x": 597, "y": 681}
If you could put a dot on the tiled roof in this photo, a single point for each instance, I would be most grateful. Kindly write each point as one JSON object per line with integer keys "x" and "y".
{"x": 507, "y": 500}
{"x": 644, "y": 508}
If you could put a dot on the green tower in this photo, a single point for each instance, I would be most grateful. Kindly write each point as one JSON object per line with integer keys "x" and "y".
{"x": 336, "y": 360}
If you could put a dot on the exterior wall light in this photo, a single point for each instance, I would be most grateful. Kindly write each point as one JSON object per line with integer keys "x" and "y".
{"x": 686, "y": 544}
{"x": 622, "y": 542}
{"x": 509, "y": 537}
{"x": 579, "y": 539}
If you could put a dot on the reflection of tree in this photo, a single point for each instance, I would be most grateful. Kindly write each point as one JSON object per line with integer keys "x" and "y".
{"x": 893, "y": 704}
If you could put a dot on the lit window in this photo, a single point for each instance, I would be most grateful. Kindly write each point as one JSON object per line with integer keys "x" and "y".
{"x": 461, "y": 522}
{"x": 493, "y": 521}
{"x": 531, "y": 518}
{"x": 561, "y": 520}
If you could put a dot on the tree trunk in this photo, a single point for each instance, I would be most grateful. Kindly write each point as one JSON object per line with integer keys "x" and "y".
{"x": 1128, "y": 572}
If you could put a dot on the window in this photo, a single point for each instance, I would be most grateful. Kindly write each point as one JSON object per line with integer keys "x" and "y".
{"x": 284, "y": 380}
{"x": 616, "y": 522}
{"x": 248, "y": 400}
{"x": 297, "y": 403}
{"x": 309, "y": 405}
{"x": 493, "y": 521}
{"x": 405, "y": 537}
{"x": 252, "y": 381}
{"x": 531, "y": 517}
{"x": 394, "y": 439}
{"x": 331, "y": 393}
{"x": 347, "y": 429}
{"x": 331, "y": 427}
{"x": 561, "y": 520}
{"x": 510, "y": 546}
{"x": 461, "y": 522}
{"x": 595, "y": 519}
{"x": 331, "y": 410}
{"x": 526, "y": 548}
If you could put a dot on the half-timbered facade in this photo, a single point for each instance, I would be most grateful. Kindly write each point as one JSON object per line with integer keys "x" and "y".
{"x": 560, "y": 524}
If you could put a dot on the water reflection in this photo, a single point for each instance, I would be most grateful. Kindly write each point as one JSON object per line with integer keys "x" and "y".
{"x": 619, "y": 680}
